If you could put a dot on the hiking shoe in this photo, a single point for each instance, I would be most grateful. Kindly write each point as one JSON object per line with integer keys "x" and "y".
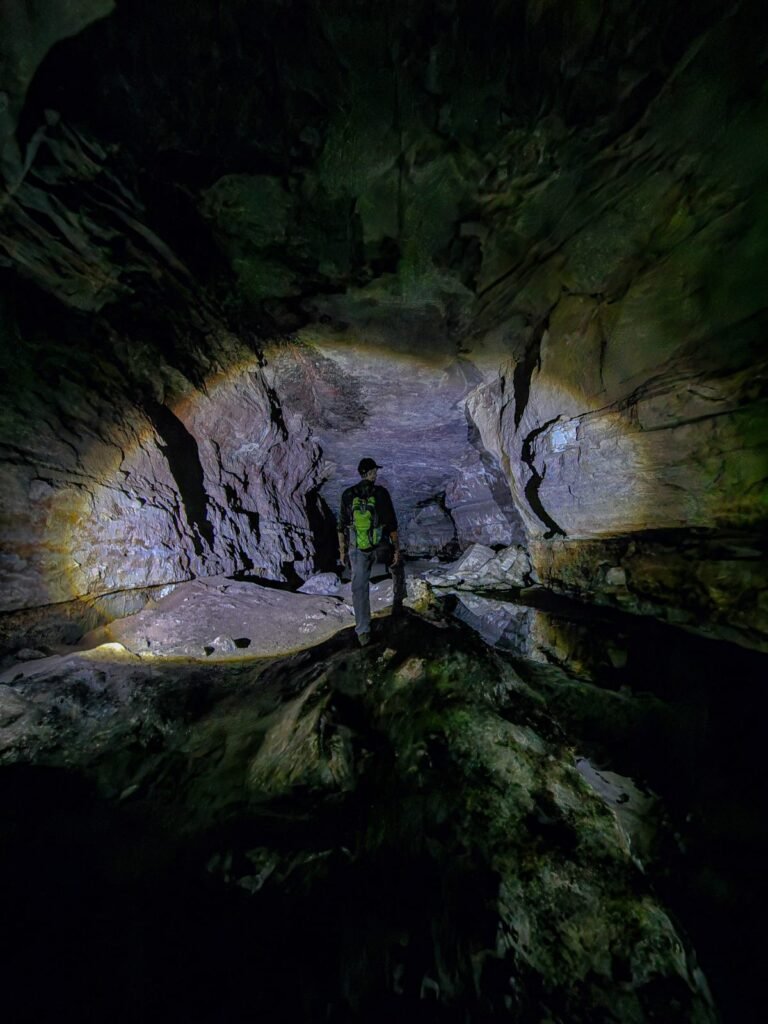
{"x": 363, "y": 639}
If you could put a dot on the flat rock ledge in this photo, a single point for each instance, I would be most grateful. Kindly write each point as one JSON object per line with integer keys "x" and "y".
{"x": 219, "y": 618}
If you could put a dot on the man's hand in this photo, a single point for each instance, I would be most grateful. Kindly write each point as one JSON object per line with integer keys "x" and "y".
{"x": 395, "y": 542}
{"x": 342, "y": 548}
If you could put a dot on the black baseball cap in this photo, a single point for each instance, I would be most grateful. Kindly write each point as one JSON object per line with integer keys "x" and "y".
{"x": 366, "y": 465}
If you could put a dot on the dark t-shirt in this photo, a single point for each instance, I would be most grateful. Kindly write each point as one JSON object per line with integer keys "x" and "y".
{"x": 387, "y": 519}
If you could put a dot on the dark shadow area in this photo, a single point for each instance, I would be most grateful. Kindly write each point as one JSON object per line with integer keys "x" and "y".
{"x": 534, "y": 483}
{"x": 154, "y": 883}
{"x": 687, "y": 718}
{"x": 180, "y": 449}
{"x": 322, "y": 524}
{"x": 523, "y": 372}
{"x": 131, "y": 926}
{"x": 246, "y": 576}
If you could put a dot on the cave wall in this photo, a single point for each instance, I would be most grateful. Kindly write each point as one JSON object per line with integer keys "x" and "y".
{"x": 29, "y": 32}
{"x": 124, "y": 475}
{"x": 141, "y": 444}
{"x": 632, "y": 412}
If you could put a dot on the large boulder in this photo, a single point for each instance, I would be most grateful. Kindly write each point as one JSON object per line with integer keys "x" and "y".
{"x": 482, "y": 568}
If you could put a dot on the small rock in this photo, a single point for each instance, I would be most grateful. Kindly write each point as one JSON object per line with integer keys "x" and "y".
{"x": 419, "y": 594}
{"x": 221, "y": 645}
{"x": 617, "y": 657}
{"x": 616, "y": 577}
{"x": 473, "y": 559}
{"x": 481, "y": 567}
{"x": 322, "y": 583}
{"x": 410, "y": 672}
{"x": 511, "y": 567}
{"x": 30, "y": 654}
{"x": 40, "y": 490}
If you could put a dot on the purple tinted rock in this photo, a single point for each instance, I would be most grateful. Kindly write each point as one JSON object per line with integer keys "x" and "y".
{"x": 322, "y": 583}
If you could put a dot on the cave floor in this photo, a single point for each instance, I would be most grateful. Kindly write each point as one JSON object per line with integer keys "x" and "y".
{"x": 221, "y": 618}
{"x": 153, "y": 720}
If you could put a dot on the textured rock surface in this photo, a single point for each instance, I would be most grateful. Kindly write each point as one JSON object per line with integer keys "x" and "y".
{"x": 519, "y": 257}
{"x": 258, "y": 621}
{"x": 29, "y": 31}
{"x": 367, "y": 392}
{"x": 321, "y": 583}
{"x": 140, "y": 454}
{"x": 215, "y": 617}
{"x": 432, "y": 531}
{"x": 492, "y": 877}
{"x": 712, "y": 583}
{"x": 558, "y": 227}
{"x": 482, "y": 568}
{"x": 133, "y": 496}
{"x": 480, "y": 504}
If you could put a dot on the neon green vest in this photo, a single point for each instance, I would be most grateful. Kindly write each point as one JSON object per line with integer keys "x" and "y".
{"x": 365, "y": 528}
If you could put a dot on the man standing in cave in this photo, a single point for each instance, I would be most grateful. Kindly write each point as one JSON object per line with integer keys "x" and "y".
{"x": 368, "y": 532}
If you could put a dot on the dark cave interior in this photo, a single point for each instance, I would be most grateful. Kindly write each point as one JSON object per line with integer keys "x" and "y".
{"x": 517, "y": 253}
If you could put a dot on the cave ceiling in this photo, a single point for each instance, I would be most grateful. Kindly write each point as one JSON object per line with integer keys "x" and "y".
{"x": 424, "y": 165}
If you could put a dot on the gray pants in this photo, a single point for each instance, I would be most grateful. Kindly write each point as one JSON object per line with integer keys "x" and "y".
{"x": 362, "y": 563}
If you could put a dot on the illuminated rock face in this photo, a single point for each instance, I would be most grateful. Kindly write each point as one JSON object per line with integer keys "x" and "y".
{"x": 144, "y": 447}
{"x": 136, "y": 494}
{"x": 535, "y": 295}
{"x": 361, "y": 397}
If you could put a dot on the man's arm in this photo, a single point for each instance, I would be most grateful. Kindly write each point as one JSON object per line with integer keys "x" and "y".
{"x": 390, "y": 520}
{"x": 342, "y": 528}
{"x": 396, "y": 544}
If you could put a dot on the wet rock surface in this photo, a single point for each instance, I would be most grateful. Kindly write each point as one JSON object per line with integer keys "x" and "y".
{"x": 710, "y": 581}
{"x": 221, "y": 618}
{"x": 412, "y": 805}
